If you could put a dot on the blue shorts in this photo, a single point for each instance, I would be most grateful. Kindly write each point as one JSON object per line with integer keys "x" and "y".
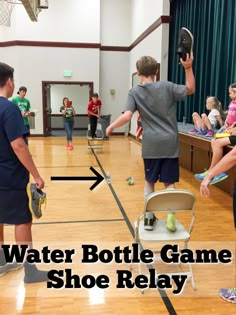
{"x": 14, "y": 207}
{"x": 165, "y": 170}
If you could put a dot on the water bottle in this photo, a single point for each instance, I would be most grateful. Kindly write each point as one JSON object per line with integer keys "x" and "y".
{"x": 108, "y": 178}
{"x": 184, "y": 122}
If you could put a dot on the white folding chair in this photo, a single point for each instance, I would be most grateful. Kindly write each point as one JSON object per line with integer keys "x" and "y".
{"x": 161, "y": 203}
{"x": 95, "y": 143}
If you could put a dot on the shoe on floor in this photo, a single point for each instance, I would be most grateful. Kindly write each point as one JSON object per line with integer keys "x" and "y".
{"x": 201, "y": 176}
{"x": 219, "y": 178}
{"x": 170, "y": 222}
{"x": 37, "y": 199}
{"x": 149, "y": 221}
{"x": 185, "y": 43}
{"x": 9, "y": 267}
{"x": 228, "y": 295}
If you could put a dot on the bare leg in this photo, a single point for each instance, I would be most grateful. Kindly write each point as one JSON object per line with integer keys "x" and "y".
{"x": 197, "y": 120}
{"x": 206, "y": 122}
{"x": 2, "y": 257}
{"x": 148, "y": 188}
{"x": 23, "y": 234}
{"x": 1, "y": 235}
{"x": 217, "y": 149}
{"x": 169, "y": 185}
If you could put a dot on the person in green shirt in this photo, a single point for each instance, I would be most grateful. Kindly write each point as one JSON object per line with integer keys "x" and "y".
{"x": 24, "y": 105}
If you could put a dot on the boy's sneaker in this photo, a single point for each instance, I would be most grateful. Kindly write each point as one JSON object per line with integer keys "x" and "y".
{"x": 228, "y": 295}
{"x": 210, "y": 133}
{"x": 37, "y": 199}
{"x": 185, "y": 43}
{"x": 219, "y": 178}
{"x": 201, "y": 176}
{"x": 149, "y": 221}
{"x": 9, "y": 267}
{"x": 170, "y": 222}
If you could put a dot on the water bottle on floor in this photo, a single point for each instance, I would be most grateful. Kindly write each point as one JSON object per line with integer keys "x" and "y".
{"x": 108, "y": 177}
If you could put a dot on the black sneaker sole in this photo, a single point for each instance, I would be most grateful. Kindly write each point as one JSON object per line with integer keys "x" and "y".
{"x": 190, "y": 34}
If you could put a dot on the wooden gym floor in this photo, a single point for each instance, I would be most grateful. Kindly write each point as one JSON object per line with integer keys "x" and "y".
{"x": 104, "y": 217}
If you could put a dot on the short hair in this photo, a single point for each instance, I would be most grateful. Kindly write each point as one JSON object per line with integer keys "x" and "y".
{"x": 233, "y": 86}
{"x": 147, "y": 66}
{"x": 95, "y": 95}
{"x": 6, "y": 72}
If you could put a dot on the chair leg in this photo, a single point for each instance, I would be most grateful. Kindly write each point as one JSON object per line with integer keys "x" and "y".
{"x": 192, "y": 278}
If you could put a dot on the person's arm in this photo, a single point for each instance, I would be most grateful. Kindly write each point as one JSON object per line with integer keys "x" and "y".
{"x": 226, "y": 163}
{"x": 73, "y": 110}
{"x": 92, "y": 113}
{"x": 233, "y": 131}
{"x": 22, "y": 152}
{"x": 28, "y": 108}
{"x": 190, "y": 79}
{"x": 219, "y": 119}
{"x": 62, "y": 110}
{"x": 120, "y": 121}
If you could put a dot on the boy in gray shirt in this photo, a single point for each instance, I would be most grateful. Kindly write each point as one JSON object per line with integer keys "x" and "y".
{"x": 155, "y": 102}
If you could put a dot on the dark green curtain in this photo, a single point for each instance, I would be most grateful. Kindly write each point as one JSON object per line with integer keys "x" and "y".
{"x": 212, "y": 23}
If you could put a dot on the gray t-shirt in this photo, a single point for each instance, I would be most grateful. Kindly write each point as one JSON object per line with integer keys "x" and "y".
{"x": 155, "y": 102}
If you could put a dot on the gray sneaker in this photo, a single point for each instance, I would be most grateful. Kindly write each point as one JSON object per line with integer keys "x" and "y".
{"x": 9, "y": 267}
{"x": 37, "y": 199}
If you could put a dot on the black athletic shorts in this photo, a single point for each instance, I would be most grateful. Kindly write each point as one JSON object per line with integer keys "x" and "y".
{"x": 14, "y": 207}
{"x": 232, "y": 140}
{"x": 165, "y": 170}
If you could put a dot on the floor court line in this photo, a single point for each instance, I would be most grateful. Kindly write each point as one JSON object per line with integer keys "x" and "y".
{"x": 162, "y": 293}
{"x": 74, "y": 222}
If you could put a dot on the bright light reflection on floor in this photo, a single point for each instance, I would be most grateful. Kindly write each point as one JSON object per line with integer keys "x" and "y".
{"x": 20, "y": 297}
{"x": 96, "y": 296}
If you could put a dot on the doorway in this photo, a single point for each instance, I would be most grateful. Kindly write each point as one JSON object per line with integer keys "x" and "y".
{"x": 53, "y": 93}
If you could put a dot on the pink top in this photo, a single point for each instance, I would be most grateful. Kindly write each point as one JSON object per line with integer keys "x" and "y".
{"x": 231, "y": 116}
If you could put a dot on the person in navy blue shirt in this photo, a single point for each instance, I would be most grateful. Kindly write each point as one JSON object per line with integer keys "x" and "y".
{"x": 15, "y": 166}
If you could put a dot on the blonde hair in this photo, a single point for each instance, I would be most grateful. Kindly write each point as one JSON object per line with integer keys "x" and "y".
{"x": 216, "y": 104}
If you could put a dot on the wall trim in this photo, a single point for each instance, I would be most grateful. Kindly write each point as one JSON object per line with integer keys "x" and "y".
{"x": 49, "y": 44}
{"x": 163, "y": 19}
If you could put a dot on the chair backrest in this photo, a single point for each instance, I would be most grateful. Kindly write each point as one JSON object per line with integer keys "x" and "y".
{"x": 170, "y": 200}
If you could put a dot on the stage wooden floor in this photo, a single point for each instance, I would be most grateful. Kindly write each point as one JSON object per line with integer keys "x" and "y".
{"x": 104, "y": 217}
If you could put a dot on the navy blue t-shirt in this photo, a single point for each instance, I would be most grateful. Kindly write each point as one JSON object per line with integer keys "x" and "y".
{"x": 13, "y": 175}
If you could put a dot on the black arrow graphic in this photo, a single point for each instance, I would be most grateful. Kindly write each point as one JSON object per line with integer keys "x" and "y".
{"x": 98, "y": 178}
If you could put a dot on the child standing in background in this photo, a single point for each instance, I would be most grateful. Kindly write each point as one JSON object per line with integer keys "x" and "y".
{"x": 68, "y": 113}
{"x": 24, "y": 105}
{"x": 94, "y": 107}
{"x": 206, "y": 124}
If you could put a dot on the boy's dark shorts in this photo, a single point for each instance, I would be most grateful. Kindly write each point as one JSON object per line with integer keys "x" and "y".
{"x": 232, "y": 140}
{"x": 165, "y": 170}
{"x": 14, "y": 207}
